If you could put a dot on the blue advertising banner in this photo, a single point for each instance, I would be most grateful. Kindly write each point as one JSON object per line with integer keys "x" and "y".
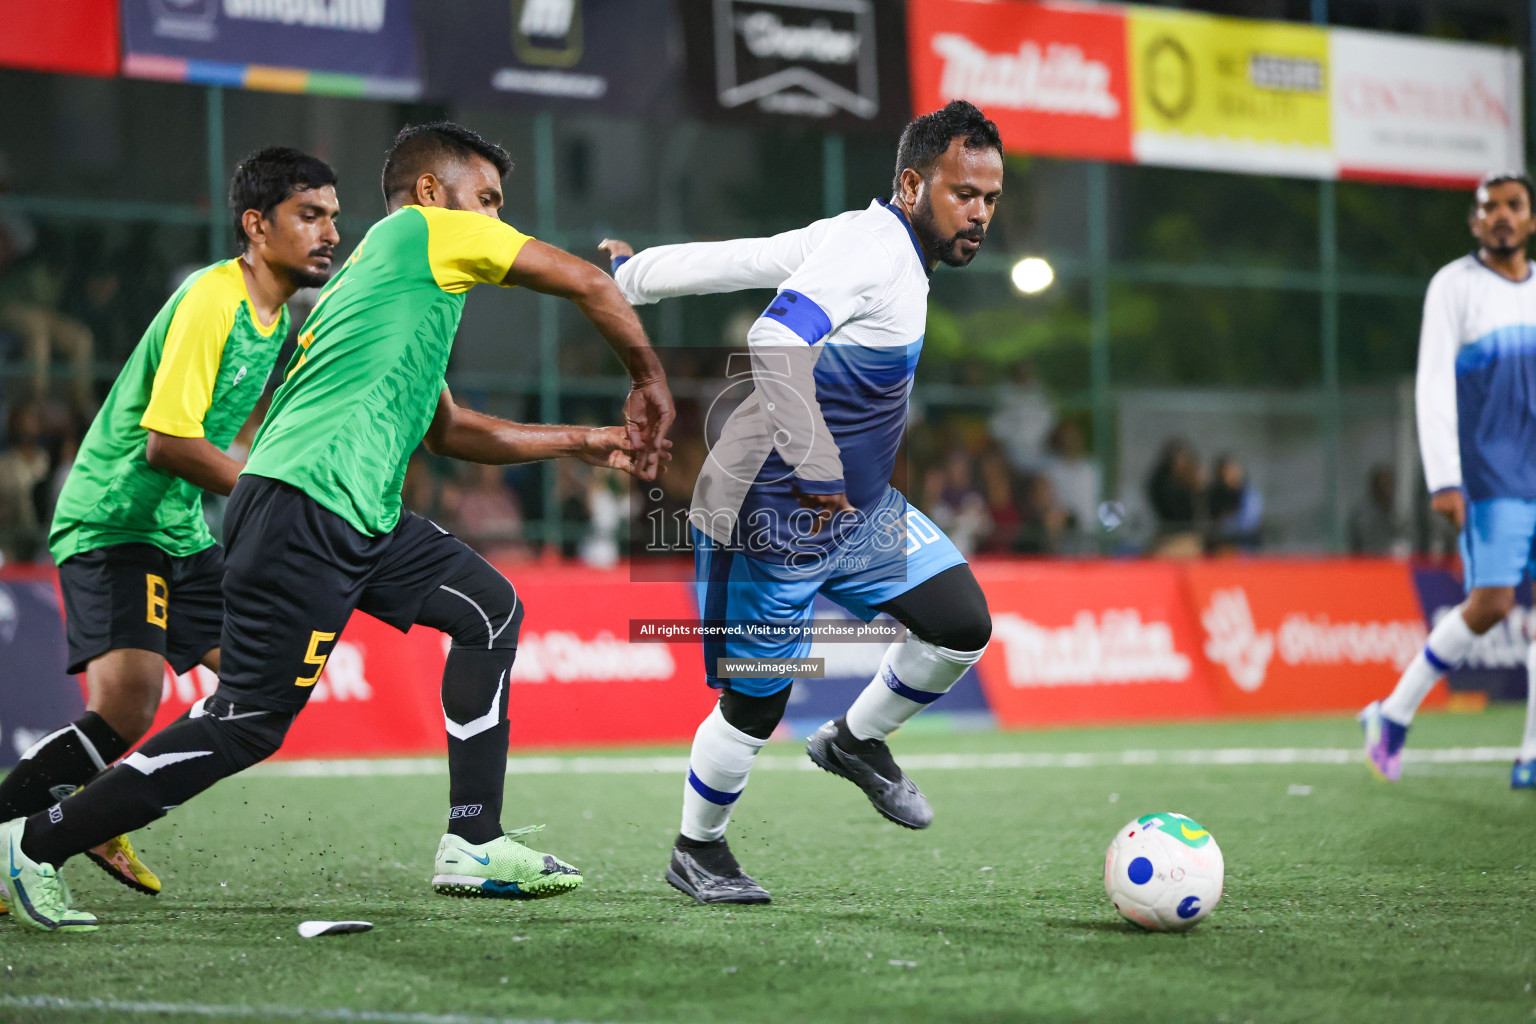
{"x": 36, "y": 695}
{"x": 341, "y": 47}
{"x": 618, "y": 56}
{"x": 1497, "y": 662}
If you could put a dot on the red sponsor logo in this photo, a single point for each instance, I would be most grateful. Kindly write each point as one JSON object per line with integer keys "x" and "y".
{"x": 1305, "y": 636}
{"x": 1052, "y": 77}
{"x": 1081, "y": 642}
{"x": 75, "y": 36}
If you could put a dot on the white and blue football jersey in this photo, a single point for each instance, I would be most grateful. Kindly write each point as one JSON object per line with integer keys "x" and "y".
{"x": 1476, "y": 386}
{"x": 833, "y": 357}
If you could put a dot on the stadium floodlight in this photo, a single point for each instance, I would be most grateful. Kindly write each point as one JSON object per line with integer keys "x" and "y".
{"x": 1032, "y": 275}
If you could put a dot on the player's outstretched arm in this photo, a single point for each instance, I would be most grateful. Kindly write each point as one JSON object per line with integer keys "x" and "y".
{"x": 648, "y": 412}
{"x": 194, "y": 459}
{"x": 460, "y": 433}
{"x": 709, "y": 268}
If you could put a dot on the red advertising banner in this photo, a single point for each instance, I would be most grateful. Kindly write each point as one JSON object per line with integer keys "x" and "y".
{"x": 74, "y": 36}
{"x": 577, "y": 679}
{"x": 1307, "y": 635}
{"x": 1080, "y": 642}
{"x": 1053, "y": 76}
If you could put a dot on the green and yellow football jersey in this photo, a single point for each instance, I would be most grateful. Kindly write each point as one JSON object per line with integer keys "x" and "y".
{"x": 197, "y": 372}
{"x": 362, "y": 389}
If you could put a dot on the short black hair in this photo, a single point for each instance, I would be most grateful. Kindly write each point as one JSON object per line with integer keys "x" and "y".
{"x": 927, "y": 138}
{"x": 267, "y": 177}
{"x": 419, "y": 147}
{"x": 1504, "y": 178}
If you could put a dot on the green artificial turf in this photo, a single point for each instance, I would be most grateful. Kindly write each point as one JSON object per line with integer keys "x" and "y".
{"x": 1350, "y": 901}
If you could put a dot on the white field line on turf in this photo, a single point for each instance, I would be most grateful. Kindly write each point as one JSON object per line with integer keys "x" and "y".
{"x": 914, "y": 762}
{"x": 254, "y": 1012}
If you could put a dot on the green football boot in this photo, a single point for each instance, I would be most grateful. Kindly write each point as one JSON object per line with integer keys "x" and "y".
{"x": 504, "y": 868}
{"x": 35, "y": 894}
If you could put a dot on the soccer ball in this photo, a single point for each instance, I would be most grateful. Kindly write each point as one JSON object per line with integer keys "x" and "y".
{"x": 1163, "y": 872}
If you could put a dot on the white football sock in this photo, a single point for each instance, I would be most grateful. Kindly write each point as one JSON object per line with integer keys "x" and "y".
{"x": 1528, "y": 743}
{"x": 718, "y": 765}
{"x": 912, "y": 675}
{"x": 1447, "y": 647}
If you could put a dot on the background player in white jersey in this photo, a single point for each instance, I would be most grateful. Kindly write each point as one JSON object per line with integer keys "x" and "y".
{"x": 795, "y": 498}
{"x": 1476, "y": 398}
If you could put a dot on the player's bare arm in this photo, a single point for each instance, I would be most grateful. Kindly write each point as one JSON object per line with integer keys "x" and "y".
{"x": 194, "y": 459}
{"x": 460, "y": 433}
{"x": 648, "y": 411}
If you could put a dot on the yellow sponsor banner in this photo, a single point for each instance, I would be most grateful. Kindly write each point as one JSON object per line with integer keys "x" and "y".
{"x": 1229, "y": 93}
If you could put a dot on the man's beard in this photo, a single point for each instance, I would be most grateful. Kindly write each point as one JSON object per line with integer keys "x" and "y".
{"x": 299, "y": 277}
{"x": 936, "y": 248}
{"x": 1504, "y": 250}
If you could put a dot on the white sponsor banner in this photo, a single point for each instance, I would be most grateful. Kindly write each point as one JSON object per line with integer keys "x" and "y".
{"x": 1115, "y": 646}
{"x": 1420, "y": 110}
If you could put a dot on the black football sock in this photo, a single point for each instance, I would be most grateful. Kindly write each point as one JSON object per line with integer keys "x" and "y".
{"x": 171, "y": 767}
{"x": 475, "y": 705}
{"x": 58, "y": 763}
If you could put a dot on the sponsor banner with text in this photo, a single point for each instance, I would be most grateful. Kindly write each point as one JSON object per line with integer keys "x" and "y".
{"x": 615, "y": 56}
{"x": 836, "y": 65}
{"x": 78, "y": 37}
{"x": 1423, "y": 111}
{"x": 1052, "y": 77}
{"x": 1230, "y": 94}
{"x": 1086, "y": 642}
{"x": 1305, "y": 636}
{"x": 36, "y": 694}
{"x": 577, "y": 680}
{"x": 340, "y": 47}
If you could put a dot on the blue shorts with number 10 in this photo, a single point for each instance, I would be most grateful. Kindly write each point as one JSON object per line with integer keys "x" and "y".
{"x": 865, "y": 573}
{"x": 1498, "y": 543}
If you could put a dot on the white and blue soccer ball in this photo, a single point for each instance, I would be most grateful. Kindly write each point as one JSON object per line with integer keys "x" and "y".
{"x": 1164, "y": 872}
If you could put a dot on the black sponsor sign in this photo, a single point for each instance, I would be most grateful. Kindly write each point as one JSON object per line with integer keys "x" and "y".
{"x": 837, "y": 64}
{"x": 618, "y": 56}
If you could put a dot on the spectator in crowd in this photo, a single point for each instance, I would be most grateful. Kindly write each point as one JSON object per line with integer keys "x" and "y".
{"x": 1176, "y": 492}
{"x": 24, "y": 466}
{"x": 1073, "y": 476}
{"x": 1375, "y": 528}
{"x": 1236, "y": 508}
{"x": 999, "y": 487}
{"x": 1023, "y": 418}
{"x": 1044, "y": 522}
{"x": 30, "y": 294}
{"x": 484, "y": 512}
{"x": 955, "y": 504}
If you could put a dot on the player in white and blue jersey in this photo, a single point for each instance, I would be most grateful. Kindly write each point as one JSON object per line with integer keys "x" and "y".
{"x": 1476, "y": 399}
{"x": 795, "y": 498}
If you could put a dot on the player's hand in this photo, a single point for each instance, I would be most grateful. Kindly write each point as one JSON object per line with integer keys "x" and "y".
{"x": 1452, "y": 505}
{"x": 825, "y": 506}
{"x": 609, "y": 448}
{"x": 648, "y": 414}
{"x": 616, "y": 248}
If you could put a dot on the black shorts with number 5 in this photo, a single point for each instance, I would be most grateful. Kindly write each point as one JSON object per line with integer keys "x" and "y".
{"x": 137, "y": 596}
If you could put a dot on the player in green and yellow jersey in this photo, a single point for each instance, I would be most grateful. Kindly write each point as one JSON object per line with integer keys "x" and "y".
{"x": 315, "y": 527}
{"x": 139, "y": 570}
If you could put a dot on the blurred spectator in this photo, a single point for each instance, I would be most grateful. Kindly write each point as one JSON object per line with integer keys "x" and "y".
{"x": 1023, "y": 418}
{"x": 1236, "y": 508}
{"x": 1374, "y": 526}
{"x": 24, "y": 466}
{"x": 998, "y": 487}
{"x": 954, "y": 504}
{"x": 1045, "y": 522}
{"x": 484, "y": 512}
{"x": 1176, "y": 491}
{"x": 30, "y": 294}
{"x": 1074, "y": 476}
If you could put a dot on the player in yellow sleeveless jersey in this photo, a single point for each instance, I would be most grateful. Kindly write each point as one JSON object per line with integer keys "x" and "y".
{"x": 139, "y": 570}
{"x": 315, "y": 527}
